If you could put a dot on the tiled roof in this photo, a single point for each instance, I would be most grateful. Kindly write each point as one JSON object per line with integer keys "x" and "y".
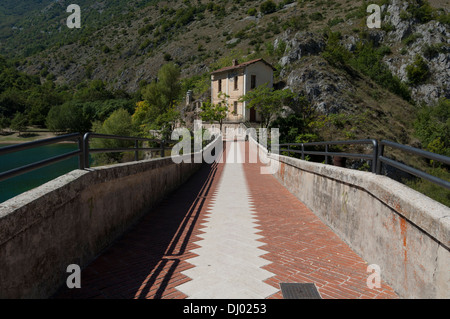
{"x": 241, "y": 65}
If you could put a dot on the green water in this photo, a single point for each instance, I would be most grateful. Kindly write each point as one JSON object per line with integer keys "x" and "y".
{"x": 22, "y": 183}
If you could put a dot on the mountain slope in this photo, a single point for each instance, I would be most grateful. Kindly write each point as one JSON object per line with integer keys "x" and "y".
{"x": 124, "y": 43}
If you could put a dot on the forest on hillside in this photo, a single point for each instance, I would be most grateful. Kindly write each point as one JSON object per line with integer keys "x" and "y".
{"x": 38, "y": 55}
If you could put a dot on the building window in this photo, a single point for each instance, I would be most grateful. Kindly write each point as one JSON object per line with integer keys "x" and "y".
{"x": 220, "y": 85}
{"x": 253, "y": 83}
{"x": 235, "y": 83}
{"x": 235, "y": 105}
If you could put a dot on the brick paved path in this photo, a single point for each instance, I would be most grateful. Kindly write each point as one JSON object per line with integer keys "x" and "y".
{"x": 149, "y": 260}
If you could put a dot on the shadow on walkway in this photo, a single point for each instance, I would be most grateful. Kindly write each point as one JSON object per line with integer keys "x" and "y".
{"x": 147, "y": 260}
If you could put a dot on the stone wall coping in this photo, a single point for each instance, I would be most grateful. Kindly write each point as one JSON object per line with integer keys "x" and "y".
{"x": 23, "y": 210}
{"x": 424, "y": 212}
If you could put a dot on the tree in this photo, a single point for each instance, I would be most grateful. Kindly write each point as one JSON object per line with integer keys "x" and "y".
{"x": 139, "y": 117}
{"x": 162, "y": 97}
{"x": 94, "y": 91}
{"x": 19, "y": 122}
{"x": 4, "y": 122}
{"x": 163, "y": 93}
{"x": 40, "y": 100}
{"x": 118, "y": 123}
{"x": 267, "y": 102}
{"x": 68, "y": 117}
{"x": 215, "y": 112}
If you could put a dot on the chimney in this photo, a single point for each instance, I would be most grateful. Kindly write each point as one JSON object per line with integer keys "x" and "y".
{"x": 235, "y": 62}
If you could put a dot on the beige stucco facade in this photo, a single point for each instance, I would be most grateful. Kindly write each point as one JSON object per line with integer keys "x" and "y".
{"x": 235, "y": 81}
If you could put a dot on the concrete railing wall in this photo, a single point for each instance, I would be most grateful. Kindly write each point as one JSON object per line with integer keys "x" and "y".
{"x": 388, "y": 224}
{"x": 72, "y": 219}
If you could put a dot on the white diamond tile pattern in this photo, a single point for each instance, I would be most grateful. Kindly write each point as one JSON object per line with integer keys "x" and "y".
{"x": 228, "y": 265}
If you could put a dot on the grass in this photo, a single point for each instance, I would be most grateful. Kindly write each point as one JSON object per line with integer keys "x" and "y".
{"x": 434, "y": 191}
{"x": 32, "y": 134}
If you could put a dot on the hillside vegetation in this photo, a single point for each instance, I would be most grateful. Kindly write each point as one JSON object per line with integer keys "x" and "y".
{"x": 349, "y": 81}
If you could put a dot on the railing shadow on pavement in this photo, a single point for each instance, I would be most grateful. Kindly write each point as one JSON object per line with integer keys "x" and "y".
{"x": 150, "y": 251}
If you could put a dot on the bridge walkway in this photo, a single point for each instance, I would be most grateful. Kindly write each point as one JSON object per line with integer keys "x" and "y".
{"x": 229, "y": 233}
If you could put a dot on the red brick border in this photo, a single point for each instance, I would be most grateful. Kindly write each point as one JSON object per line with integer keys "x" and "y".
{"x": 302, "y": 248}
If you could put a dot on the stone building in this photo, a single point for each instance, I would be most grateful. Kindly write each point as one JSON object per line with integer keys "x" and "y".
{"x": 235, "y": 81}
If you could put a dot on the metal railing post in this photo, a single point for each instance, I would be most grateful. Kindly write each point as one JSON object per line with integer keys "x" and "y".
{"x": 136, "y": 152}
{"x": 380, "y": 154}
{"x": 326, "y": 153}
{"x": 303, "y": 151}
{"x": 81, "y": 156}
{"x": 375, "y": 156}
{"x": 86, "y": 150}
{"x": 162, "y": 148}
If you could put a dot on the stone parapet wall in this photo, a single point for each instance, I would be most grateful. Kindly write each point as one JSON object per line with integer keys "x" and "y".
{"x": 73, "y": 218}
{"x": 404, "y": 232}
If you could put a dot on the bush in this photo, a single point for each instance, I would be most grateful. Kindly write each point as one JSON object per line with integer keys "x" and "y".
{"x": 334, "y": 21}
{"x": 268, "y": 7}
{"x": 68, "y": 117}
{"x": 432, "y": 190}
{"x": 411, "y": 38}
{"x": 106, "y": 49}
{"x": 433, "y": 50}
{"x": 443, "y": 18}
{"x": 335, "y": 53}
{"x": 252, "y": 12}
{"x": 418, "y": 71}
{"x": 421, "y": 11}
{"x": 432, "y": 127}
{"x": 316, "y": 16}
{"x": 167, "y": 57}
{"x": 298, "y": 23}
{"x": 367, "y": 60}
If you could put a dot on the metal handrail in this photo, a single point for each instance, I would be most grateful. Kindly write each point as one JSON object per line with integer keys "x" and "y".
{"x": 377, "y": 156}
{"x": 29, "y": 145}
{"x": 82, "y": 152}
{"x": 327, "y": 153}
{"x": 87, "y": 150}
{"x": 408, "y": 169}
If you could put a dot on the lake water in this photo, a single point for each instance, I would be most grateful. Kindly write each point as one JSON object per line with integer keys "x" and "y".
{"x": 19, "y": 184}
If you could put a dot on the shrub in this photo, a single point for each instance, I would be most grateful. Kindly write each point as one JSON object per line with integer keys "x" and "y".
{"x": 433, "y": 128}
{"x": 432, "y": 190}
{"x": 167, "y": 57}
{"x": 335, "y": 21}
{"x": 431, "y": 51}
{"x": 335, "y": 53}
{"x": 298, "y": 23}
{"x": 252, "y": 12}
{"x": 411, "y": 38}
{"x": 418, "y": 71}
{"x": 268, "y": 7}
{"x": 443, "y": 18}
{"x": 367, "y": 60}
{"x": 316, "y": 16}
{"x": 421, "y": 11}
